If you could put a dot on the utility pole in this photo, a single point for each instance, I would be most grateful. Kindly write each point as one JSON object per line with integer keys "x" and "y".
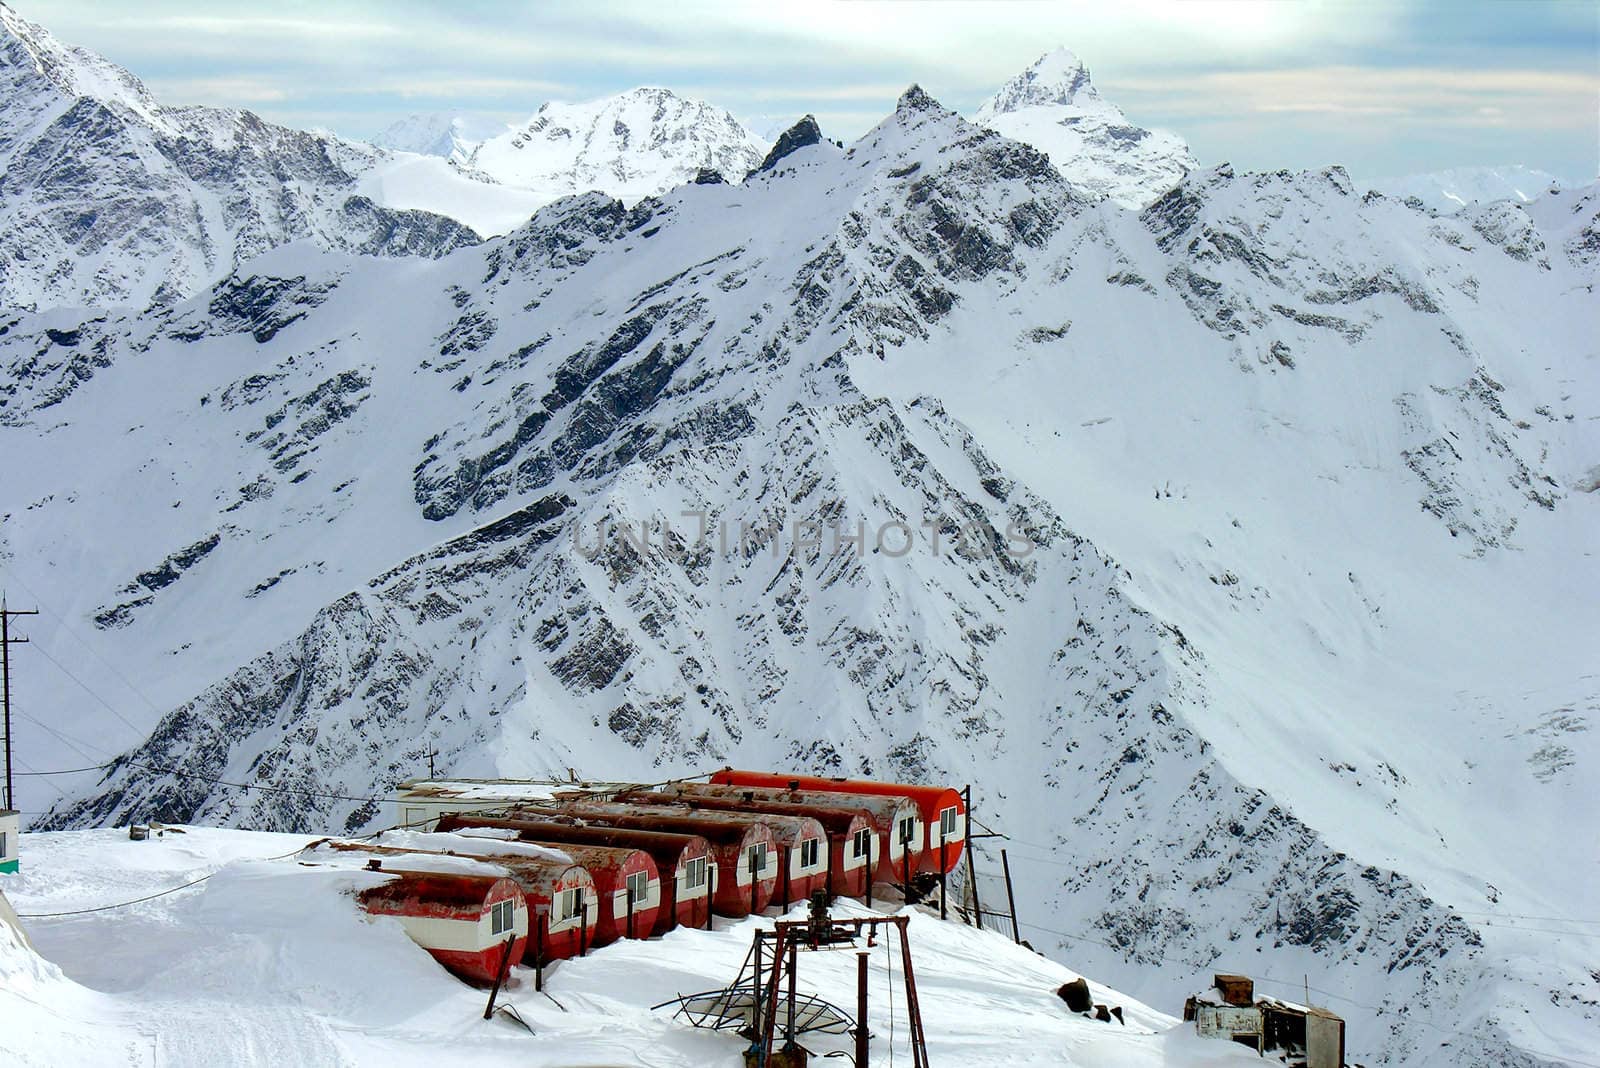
{"x": 6, "y": 642}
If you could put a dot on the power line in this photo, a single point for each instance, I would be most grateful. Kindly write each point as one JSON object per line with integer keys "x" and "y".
{"x": 109, "y": 707}
{"x": 92, "y": 651}
{"x": 62, "y": 771}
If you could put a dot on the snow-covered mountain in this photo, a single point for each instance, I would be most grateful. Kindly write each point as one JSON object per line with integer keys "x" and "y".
{"x": 433, "y": 134}
{"x": 1054, "y": 107}
{"x": 1460, "y": 186}
{"x": 1238, "y": 551}
{"x": 632, "y": 145}
{"x": 109, "y": 197}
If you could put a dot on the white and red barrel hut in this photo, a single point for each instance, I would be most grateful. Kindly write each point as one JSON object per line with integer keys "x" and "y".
{"x": 745, "y": 852}
{"x": 941, "y": 810}
{"x": 801, "y": 838}
{"x": 896, "y": 822}
{"x": 683, "y": 862}
{"x": 626, "y": 882}
{"x": 463, "y": 920}
{"x": 853, "y": 843}
{"x": 559, "y": 893}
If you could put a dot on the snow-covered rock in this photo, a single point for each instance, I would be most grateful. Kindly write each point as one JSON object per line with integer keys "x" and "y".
{"x": 110, "y": 197}
{"x": 1054, "y": 107}
{"x": 632, "y": 145}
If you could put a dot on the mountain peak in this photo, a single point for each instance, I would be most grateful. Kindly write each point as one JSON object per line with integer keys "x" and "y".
{"x": 636, "y": 143}
{"x": 917, "y": 99}
{"x": 1054, "y": 107}
{"x": 803, "y": 133}
{"x": 1057, "y": 77}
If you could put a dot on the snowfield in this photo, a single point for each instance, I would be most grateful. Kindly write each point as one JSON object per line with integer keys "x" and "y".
{"x": 270, "y": 962}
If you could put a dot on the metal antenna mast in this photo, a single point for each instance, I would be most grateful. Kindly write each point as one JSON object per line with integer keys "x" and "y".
{"x": 6, "y": 642}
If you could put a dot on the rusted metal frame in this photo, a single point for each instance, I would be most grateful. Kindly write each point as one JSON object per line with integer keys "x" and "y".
{"x": 780, "y": 946}
{"x": 794, "y": 968}
{"x": 861, "y": 1009}
{"x": 919, "y": 1041}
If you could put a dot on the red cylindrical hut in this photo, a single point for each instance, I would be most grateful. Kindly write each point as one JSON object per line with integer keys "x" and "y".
{"x": 895, "y": 820}
{"x": 737, "y": 848}
{"x": 941, "y": 809}
{"x": 802, "y": 841}
{"x": 683, "y": 861}
{"x": 853, "y": 843}
{"x": 626, "y": 883}
{"x": 463, "y": 920}
{"x": 557, "y": 881}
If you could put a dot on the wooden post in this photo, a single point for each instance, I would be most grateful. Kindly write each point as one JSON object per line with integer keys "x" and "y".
{"x": 543, "y": 917}
{"x": 754, "y": 872}
{"x": 972, "y": 868}
{"x": 755, "y": 989}
{"x": 944, "y": 862}
{"x": 499, "y": 976}
{"x": 861, "y": 1009}
{"x": 583, "y": 924}
{"x": 629, "y": 884}
{"x": 1011, "y": 900}
{"x": 905, "y": 868}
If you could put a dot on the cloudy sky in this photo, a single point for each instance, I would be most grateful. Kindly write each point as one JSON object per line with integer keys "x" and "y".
{"x": 1383, "y": 86}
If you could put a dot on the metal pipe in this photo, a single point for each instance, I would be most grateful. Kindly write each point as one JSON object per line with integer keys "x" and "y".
{"x": 972, "y": 868}
{"x": 794, "y": 966}
{"x": 1011, "y": 900}
{"x": 861, "y": 1009}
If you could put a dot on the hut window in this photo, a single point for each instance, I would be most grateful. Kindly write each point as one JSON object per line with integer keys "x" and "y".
{"x": 947, "y": 823}
{"x": 861, "y": 844}
{"x": 638, "y": 886}
{"x": 502, "y": 916}
{"x": 808, "y": 852}
{"x": 758, "y": 858}
{"x": 908, "y": 829}
{"x": 569, "y": 903}
{"x": 694, "y": 874}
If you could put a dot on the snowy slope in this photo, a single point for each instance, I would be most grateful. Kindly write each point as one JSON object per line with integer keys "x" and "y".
{"x": 279, "y": 951}
{"x": 1460, "y": 186}
{"x": 113, "y": 198}
{"x": 632, "y": 145}
{"x": 1296, "y": 676}
{"x": 1054, "y": 107}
